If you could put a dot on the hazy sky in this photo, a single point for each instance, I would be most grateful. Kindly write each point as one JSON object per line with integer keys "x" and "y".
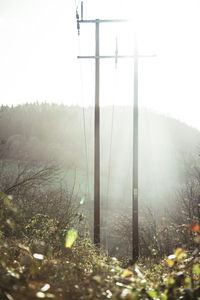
{"x": 39, "y": 46}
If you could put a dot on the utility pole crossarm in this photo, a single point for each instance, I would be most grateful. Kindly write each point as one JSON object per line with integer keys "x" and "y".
{"x": 114, "y": 56}
{"x": 102, "y": 21}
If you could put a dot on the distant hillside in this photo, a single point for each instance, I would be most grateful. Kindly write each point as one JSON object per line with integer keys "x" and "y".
{"x": 45, "y": 132}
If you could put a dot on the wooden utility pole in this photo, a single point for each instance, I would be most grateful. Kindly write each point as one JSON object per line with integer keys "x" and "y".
{"x": 135, "y": 237}
{"x": 97, "y": 143}
{"x": 97, "y": 58}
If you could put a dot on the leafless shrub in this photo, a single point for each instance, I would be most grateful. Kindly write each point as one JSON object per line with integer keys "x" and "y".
{"x": 37, "y": 189}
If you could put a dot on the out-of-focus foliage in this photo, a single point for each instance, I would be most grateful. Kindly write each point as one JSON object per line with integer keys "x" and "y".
{"x": 27, "y": 271}
{"x": 43, "y": 257}
{"x": 160, "y": 233}
{"x": 10, "y": 224}
{"x": 71, "y": 237}
{"x": 44, "y": 249}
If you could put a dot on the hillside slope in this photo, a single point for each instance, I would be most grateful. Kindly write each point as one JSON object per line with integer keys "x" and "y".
{"x": 45, "y": 132}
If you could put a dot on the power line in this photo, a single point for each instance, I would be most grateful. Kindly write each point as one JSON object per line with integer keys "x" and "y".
{"x": 110, "y": 152}
{"x": 84, "y": 125}
{"x": 97, "y": 57}
{"x": 76, "y": 3}
{"x": 108, "y": 179}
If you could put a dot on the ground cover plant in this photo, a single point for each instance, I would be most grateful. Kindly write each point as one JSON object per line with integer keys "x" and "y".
{"x": 48, "y": 261}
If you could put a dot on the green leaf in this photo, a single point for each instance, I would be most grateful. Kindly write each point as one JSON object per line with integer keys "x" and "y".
{"x": 163, "y": 297}
{"x": 71, "y": 237}
{"x": 196, "y": 269}
{"x": 152, "y": 294}
{"x": 188, "y": 281}
{"x": 6, "y": 199}
{"x": 171, "y": 281}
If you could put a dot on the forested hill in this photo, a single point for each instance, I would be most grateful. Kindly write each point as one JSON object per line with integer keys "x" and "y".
{"x": 43, "y": 131}
{"x": 56, "y": 132}
{"x": 40, "y": 131}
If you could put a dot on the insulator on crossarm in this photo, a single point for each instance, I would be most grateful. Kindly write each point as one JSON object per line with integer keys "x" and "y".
{"x": 78, "y": 25}
{"x": 77, "y": 15}
{"x": 78, "y": 28}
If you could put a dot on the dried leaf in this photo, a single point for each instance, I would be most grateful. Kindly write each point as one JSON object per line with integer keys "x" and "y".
{"x": 38, "y": 256}
{"x": 170, "y": 262}
{"x": 179, "y": 253}
{"x": 40, "y": 295}
{"x": 97, "y": 278}
{"x": 127, "y": 273}
{"x": 194, "y": 227}
{"x": 45, "y": 288}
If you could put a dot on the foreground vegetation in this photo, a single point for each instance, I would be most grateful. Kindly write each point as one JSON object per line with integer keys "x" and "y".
{"x": 42, "y": 259}
{"x": 45, "y": 246}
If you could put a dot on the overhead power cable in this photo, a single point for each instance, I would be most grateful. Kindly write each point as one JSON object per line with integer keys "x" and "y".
{"x": 76, "y": 3}
{"x": 83, "y": 106}
{"x": 87, "y": 190}
{"x": 108, "y": 178}
{"x": 110, "y": 152}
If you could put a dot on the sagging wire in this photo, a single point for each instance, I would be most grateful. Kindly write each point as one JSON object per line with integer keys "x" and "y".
{"x": 76, "y": 4}
{"x": 110, "y": 147}
{"x": 87, "y": 189}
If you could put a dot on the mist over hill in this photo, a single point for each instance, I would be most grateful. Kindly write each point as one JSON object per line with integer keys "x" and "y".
{"x": 51, "y": 132}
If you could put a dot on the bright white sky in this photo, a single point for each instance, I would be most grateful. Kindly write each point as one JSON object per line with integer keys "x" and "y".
{"x": 39, "y": 45}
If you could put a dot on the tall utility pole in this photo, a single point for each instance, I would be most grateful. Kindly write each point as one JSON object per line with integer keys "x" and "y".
{"x": 97, "y": 58}
{"x": 135, "y": 237}
{"x": 97, "y": 143}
